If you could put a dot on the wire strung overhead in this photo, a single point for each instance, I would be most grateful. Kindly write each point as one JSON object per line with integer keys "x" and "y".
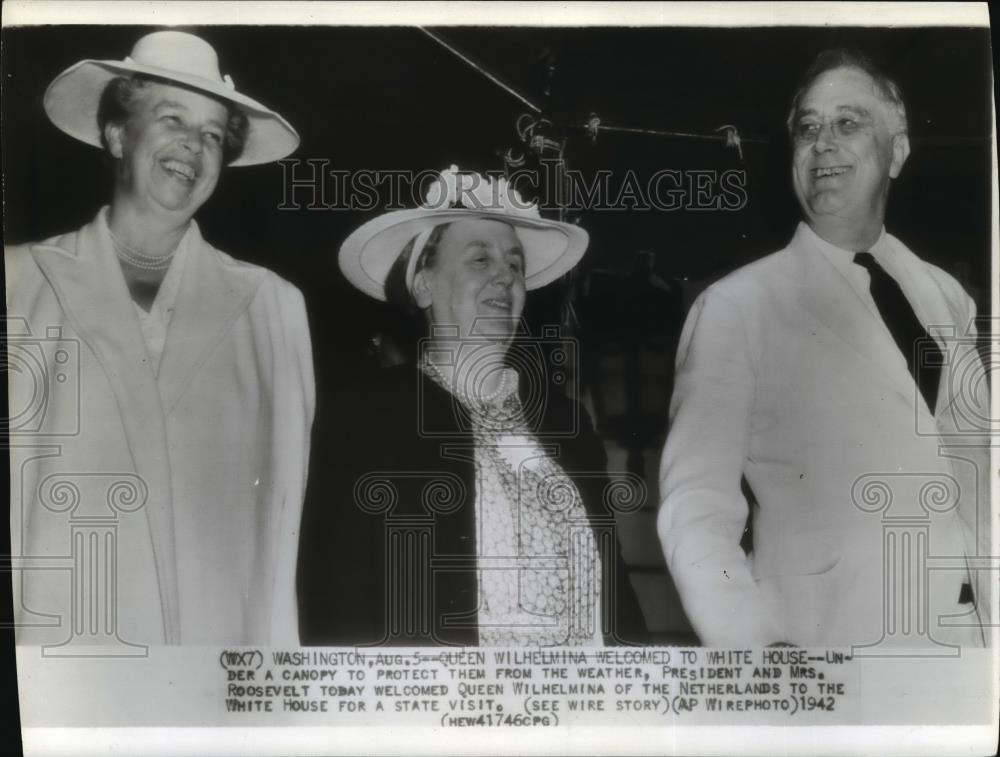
{"x": 729, "y": 135}
{"x": 493, "y": 78}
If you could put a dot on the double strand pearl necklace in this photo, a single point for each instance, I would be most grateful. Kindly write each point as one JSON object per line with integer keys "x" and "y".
{"x": 485, "y": 399}
{"x": 138, "y": 259}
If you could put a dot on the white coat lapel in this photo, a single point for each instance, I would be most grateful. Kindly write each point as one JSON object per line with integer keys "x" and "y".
{"x": 91, "y": 290}
{"x": 934, "y": 310}
{"x": 214, "y": 291}
{"x": 834, "y": 303}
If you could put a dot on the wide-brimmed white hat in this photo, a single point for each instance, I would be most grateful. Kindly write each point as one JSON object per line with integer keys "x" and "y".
{"x": 551, "y": 248}
{"x": 72, "y": 98}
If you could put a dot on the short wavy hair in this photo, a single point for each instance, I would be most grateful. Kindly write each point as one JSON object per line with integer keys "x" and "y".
{"x": 396, "y": 290}
{"x": 120, "y": 94}
{"x": 886, "y": 89}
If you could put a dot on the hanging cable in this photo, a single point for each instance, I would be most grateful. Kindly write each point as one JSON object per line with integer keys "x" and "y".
{"x": 495, "y": 79}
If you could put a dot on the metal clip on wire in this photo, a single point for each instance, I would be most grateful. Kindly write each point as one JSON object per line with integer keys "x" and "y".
{"x": 593, "y": 126}
{"x": 511, "y": 160}
{"x": 733, "y": 139}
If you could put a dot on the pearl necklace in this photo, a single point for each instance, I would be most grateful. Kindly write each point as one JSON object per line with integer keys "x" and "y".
{"x": 487, "y": 399}
{"x": 138, "y": 259}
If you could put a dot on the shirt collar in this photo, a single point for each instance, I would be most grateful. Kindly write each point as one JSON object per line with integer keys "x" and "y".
{"x": 838, "y": 256}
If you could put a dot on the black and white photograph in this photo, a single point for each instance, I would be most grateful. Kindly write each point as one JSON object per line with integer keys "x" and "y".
{"x": 551, "y": 378}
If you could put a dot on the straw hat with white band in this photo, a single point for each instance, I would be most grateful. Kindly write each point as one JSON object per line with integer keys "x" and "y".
{"x": 72, "y": 98}
{"x": 550, "y": 248}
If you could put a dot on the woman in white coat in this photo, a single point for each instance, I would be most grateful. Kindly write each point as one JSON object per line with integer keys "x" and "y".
{"x": 161, "y": 445}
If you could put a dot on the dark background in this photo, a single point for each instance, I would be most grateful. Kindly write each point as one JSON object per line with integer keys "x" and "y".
{"x": 394, "y": 99}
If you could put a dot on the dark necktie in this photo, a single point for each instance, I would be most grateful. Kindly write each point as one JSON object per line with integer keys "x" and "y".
{"x": 923, "y": 356}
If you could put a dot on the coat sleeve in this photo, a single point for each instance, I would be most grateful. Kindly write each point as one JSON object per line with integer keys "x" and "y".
{"x": 294, "y": 407}
{"x": 341, "y": 566}
{"x": 703, "y": 512}
{"x": 971, "y": 417}
{"x": 11, "y": 256}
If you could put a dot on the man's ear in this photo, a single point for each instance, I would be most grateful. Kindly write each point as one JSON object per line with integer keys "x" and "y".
{"x": 113, "y": 135}
{"x": 422, "y": 289}
{"x": 900, "y": 152}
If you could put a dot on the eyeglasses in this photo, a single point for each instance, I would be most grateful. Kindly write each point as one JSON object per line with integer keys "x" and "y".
{"x": 807, "y": 132}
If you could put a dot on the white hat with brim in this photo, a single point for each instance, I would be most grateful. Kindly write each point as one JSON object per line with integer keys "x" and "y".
{"x": 72, "y": 98}
{"x": 550, "y": 248}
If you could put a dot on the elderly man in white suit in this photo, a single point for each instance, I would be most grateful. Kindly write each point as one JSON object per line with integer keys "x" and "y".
{"x": 790, "y": 375}
{"x": 157, "y": 488}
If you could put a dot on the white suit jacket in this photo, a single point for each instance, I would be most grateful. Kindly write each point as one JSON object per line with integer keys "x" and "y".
{"x": 786, "y": 376}
{"x": 155, "y": 508}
